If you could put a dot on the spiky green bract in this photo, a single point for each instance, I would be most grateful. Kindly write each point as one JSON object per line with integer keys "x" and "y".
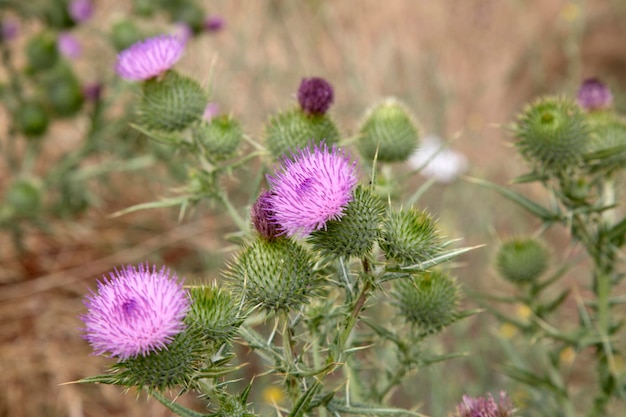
{"x": 522, "y": 260}
{"x": 552, "y": 134}
{"x": 215, "y": 313}
{"x": 172, "y": 103}
{"x": 608, "y": 133}
{"x": 174, "y": 366}
{"x": 389, "y": 129}
{"x": 219, "y": 138}
{"x": 357, "y": 230}
{"x": 276, "y": 274}
{"x": 287, "y": 132}
{"x": 428, "y": 300}
{"x": 410, "y": 236}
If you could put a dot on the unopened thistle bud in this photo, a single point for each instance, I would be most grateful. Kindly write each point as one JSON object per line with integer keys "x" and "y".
{"x": 172, "y": 103}
{"x": 219, "y": 137}
{"x": 315, "y": 95}
{"x": 552, "y": 134}
{"x": 608, "y": 133}
{"x": 428, "y": 300}
{"x": 522, "y": 260}
{"x": 289, "y": 131}
{"x": 410, "y": 237}
{"x": 32, "y": 119}
{"x": 276, "y": 275}
{"x": 64, "y": 93}
{"x": 355, "y": 233}
{"x": 389, "y": 131}
{"x": 41, "y": 51}
{"x": 593, "y": 95}
{"x": 262, "y": 214}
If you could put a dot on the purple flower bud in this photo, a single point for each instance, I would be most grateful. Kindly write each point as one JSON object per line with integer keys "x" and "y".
{"x": 210, "y": 111}
{"x": 135, "y": 312}
{"x": 92, "y": 91}
{"x": 68, "y": 46}
{"x": 80, "y": 10}
{"x": 315, "y": 95}
{"x": 214, "y": 23}
{"x": 9, "y": 29}
{"x": 594, "y": 95}
{"x": 148, "y": 58}
{"x": 262, "y": 215}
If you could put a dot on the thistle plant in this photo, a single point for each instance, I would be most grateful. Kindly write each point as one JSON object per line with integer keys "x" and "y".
{"x": 574, "y": 148}
{"x": 320, "y": 253}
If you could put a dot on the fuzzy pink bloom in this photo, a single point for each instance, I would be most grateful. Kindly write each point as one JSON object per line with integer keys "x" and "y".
{"x": 68, "y": 46}
{"x": 210, "y": 111}
{"x": 485, "y": 406}
{"x": 593, "y": 94}
{"x": 313, "y": 187}
{"x": 150, "y": 57}
{"x": 136, "y": 311}
{"x": 80, "y": 10}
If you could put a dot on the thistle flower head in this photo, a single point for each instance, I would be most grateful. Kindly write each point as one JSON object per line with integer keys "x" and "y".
{"x": 315, "y": 95}
{"x": 485, "y": 407}
{"x": 593, "y": 94}
{"x": 214, "y": 23}
{"x": 80, "y": 10}
{"x": 262, "y": 214}
{"x": 9, "y": 29}
{"x": 313, "y": 187}
{"x": 135, "y": 311}
{"x": 150, "y": 57}
{"x": 69, "y": 46}
{"x": 522, "y": 260}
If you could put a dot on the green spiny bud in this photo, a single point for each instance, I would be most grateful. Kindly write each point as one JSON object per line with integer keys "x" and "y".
{"x": 215, "y": 313}
{"x": 32, "y": 119}
{"x": 357, "y": 230}
{"x": 220, "y": 137}
{"x": 552, "y": 134}
{"x": 24, "y": 197}
{"x": 41, "y": 51}
{"x": 410, "y": 236}
{"x": 428, "y": 300}
{"x": 522, "y": 260}
{"x": 172, "y": 103}
{"x": 64, "y": 93}
{"x": 607, "y": 131}
{"x": 290, "y": 131}
{"x": 276, "y": 274}
{"x": 389, "y": 129}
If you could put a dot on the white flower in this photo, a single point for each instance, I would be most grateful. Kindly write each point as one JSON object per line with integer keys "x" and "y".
{"x": 438, "y": 162}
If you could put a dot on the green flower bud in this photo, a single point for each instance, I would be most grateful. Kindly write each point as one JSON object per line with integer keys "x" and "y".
{"x": 220, "y": 137}
{"x": 24, "y": 197}
{"x": 123, "y": 34}
{"x": 172, "y": 103}
{"x": 276, "y": 274}
{"x": 32, "y": 119}
{"x": 410, "y": 237}
{"x": 389, "y": 129}
{"x": 522, "y": 260}
{"x": 552, "y": 134}
{"x": 144, "y": 8}
{"x": 64, "y": 93}
{"x": 290, "y": 131}
{"x": 41, "y": 51}
{"x": 428, "y": 301}
{"x": 191, "y": 14}
{"x": 607, "y": 131}
{"x": 357, "y": 230}
{"x": 215, "y": 313}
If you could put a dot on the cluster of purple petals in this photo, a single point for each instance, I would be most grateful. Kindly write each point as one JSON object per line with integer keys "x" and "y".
{"x": 9, "y": 29}
{"x": 134, "y": 312}
{"x": 315, "y": 95}
{"x": 68, "y": 45}
{"x": 262, "y": 214}
{"x": 312, "y": 187}
{"x": 80, "y": 10}
{"x": 149, "y": 58}
{"x": 485, "y": 407}
{"x": 594, "y": 95}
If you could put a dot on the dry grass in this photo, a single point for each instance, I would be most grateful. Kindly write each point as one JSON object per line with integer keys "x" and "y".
{"x": 462, "y": 65}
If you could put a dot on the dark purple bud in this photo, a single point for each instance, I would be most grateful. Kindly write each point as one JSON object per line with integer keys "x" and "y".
{"x": 8, "y": 29}
{"x": 80, "y": 10}
{"x": 214, "y": 23}
{"x": 92, "y": 92}
{"x": 594, "y": 95}
{"x": 315, "y": 95}
{"x": 262, "y": 217}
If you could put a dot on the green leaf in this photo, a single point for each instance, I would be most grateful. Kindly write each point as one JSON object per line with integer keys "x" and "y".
{"x": 302, "y": 406}
{"x": 336, "y": 407}
{"x": 617, "y": 232}
{"x": 529, "y": 177}
{"x": 176, "y": 408}
{"x": 445, "y": 256}
{"x": 160, "y": 137}
{"x": 538, "y": 210}
{"x": 99, "y": 379}
{"x": 168, "y": 202}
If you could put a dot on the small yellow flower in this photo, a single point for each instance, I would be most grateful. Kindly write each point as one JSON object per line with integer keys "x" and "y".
{"x": 507, "y": 330}
{"x": 523, "y": 312}
{"x": 567, "y": 355}
{"x": 273, "y": 395}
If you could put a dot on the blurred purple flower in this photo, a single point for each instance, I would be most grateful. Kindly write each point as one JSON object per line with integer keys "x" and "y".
{"x": 9, "y": 29}
{"x": 315, "y": 95}
{"x": 312, "y": 188}
{"x": 210, "y": 111}
{"x": 92, "y": 91}
{"x": 136, "y": 311}
{"x": 594, "y": 95}
{"x": 214, "y": 23}
{"x": 485, "y": 407}
{"x": 68, "y": 45}
{"x": 80, "y": 10}
{"x": 183, "y": 31}
{"x": 150, "y": 57}
{"x": 262, "y": 214}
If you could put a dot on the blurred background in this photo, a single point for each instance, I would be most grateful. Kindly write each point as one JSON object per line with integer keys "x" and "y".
{"x": 464, "y": 67}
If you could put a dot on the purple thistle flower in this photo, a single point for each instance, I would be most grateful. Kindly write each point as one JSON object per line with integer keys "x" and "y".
{"x": 136, "y": 311}
{"x": 214, "y": 23}
{"x": 210, "y": 111}
{"x": 312, "y": 188}
{"x": 315, "y": 95}
{"x": 485, "y": 407}
{"x": 9, "y": 29}
{"x": 69, "y": 46}
{"x": 150, "y": 57}
{"x": 593, "y": 94}
{"x": 262, "y": 214}
{"x": 80, "y": 10}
